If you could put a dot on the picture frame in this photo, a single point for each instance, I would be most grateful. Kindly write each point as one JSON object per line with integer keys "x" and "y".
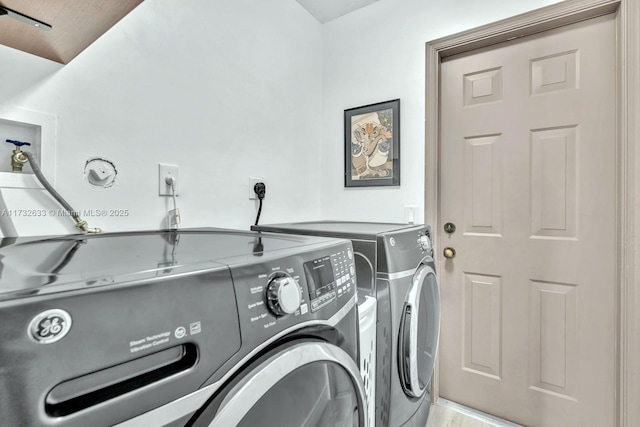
{"x": 372, "y": 145}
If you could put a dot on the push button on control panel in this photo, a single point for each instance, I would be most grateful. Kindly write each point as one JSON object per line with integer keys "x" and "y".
{"x": 324, "y": 299}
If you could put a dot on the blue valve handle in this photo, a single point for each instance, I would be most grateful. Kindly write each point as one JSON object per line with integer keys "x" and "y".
{"x": 17, "y": 143}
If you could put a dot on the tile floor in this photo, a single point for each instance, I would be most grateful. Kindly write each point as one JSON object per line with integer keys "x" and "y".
{"x": 449, "y": 414}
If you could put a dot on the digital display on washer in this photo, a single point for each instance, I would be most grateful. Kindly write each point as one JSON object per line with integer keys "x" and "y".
{"x": 320, "y": 277}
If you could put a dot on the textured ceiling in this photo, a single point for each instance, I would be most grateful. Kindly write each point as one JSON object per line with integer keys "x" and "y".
{"x": 326, "y": 10}
{"x": 76, "y": 24}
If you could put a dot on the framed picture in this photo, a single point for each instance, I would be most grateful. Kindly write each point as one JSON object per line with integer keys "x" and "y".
{"x": 372, "y": 145}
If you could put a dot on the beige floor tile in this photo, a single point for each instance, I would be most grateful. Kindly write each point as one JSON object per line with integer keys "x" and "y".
{"x": 445, "y": 416}
{"x": 441, "y": 416}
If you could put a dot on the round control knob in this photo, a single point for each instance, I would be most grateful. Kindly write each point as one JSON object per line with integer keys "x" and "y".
{"x": 425, "y": 243}
{"x": 283, "y": 296}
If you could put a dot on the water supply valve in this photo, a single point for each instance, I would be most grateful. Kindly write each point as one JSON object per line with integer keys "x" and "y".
{"x": 18, "y": 159}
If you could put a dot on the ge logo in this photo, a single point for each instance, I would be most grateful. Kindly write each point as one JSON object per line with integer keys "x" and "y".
{"x": 392, "y": 241}
{"x": 49, "y": 326}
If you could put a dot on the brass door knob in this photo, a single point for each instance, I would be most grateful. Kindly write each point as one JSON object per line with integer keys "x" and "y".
{"x": 449, "y": 253}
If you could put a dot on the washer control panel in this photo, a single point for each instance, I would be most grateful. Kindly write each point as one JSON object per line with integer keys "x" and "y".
{"x": 275, "y": 294}
{"x": 345, "y": 270}
{"x": 321, "y": 281}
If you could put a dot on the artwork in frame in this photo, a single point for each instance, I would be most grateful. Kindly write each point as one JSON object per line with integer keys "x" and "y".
{"x": 372, "y": 145}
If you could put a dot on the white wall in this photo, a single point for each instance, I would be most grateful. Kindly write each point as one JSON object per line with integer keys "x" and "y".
{"x": 19, "y": 72}
{"x": 232, "y": 89}
{"x": 376, "y": 54}
{"x": 224, "y": 89}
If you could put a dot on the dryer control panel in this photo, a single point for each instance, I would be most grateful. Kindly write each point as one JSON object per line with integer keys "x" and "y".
{"x": 404, "y": 250}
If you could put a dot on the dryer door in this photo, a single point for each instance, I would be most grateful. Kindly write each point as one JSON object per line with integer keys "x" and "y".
{"x": 308, "y": 384}
{"x": 419, "y": 331}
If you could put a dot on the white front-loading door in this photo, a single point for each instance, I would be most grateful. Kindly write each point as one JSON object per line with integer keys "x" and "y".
{"x": 308, "y": 384}
{"x": 419, "y": 332}
{"x": 528, "y": 177}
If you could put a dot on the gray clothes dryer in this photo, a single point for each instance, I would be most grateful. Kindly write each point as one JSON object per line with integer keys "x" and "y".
{"x": 394, "y": 263}
{"x": 179, "y": 328}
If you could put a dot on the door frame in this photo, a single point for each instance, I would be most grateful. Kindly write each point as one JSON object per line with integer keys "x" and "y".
{"x": 627, "y": 17}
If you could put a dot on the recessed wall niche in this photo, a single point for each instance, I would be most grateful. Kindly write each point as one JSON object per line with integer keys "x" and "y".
{"x": 37, "y": 128}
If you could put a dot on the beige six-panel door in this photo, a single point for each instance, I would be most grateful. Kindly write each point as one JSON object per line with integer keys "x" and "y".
{"x": 527, "y": 176}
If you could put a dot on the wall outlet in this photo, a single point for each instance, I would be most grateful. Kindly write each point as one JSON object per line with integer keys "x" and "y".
{"x": 253, "y": 180}
{"x": 165, "y": 171}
